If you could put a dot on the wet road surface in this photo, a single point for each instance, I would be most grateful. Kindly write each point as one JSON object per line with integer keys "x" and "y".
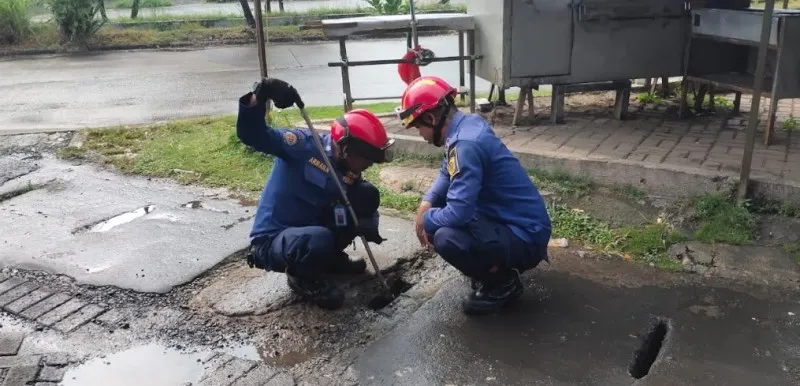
{"x": 119, "y": 88}
{"x": 574, "y": 330}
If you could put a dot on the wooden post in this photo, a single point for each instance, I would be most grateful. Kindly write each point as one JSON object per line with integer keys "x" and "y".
{"x": 747, "y": 158}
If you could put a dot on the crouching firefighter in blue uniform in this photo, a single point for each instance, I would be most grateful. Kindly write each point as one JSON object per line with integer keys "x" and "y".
{"x": 302, "y": 226}
{"x": 482, "y": 214}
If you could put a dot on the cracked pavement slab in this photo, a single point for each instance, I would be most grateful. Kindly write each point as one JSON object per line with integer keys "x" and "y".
{"x": 104, "y": 229}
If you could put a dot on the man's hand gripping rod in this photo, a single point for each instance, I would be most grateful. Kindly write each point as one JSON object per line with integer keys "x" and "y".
{"x": 332, "y": 172}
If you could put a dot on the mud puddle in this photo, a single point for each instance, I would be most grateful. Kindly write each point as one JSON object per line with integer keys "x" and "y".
{"x": 151, "y": 364}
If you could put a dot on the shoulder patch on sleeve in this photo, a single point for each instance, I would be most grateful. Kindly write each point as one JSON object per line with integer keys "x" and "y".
{"x": 290, "y": 138}
{"x": 452, "y": 162}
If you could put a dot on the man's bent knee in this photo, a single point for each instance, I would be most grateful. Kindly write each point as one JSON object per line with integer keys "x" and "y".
{"x": 301, "y": 251}
{"x": 450, "y": 243}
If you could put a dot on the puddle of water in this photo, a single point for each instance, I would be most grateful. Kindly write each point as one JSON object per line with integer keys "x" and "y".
{"x": 244, "y": 351}
{"x": 105, "y": 226}
{"x": 151, "y": 365}
{"x": 275, "y": 357}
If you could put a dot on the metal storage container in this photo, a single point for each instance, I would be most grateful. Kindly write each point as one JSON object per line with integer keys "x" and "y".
{"x": 529, "y": 42}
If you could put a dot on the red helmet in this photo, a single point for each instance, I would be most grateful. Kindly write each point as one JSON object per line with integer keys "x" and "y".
{"x": 423, "y": 94}
{"x": 363, "y": 134}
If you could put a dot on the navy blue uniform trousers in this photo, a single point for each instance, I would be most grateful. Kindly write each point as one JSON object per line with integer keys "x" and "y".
{"x": 484, "y": 247}
{"x": 309, "y": 251}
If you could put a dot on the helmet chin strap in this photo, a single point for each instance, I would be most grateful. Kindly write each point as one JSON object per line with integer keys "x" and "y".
{"x": 437, "y": 129}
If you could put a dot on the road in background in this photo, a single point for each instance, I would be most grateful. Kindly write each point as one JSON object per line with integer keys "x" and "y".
{"x": 137, "y": 87}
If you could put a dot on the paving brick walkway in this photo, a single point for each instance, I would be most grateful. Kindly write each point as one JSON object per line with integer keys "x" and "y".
{"x": 20, "y": 370}
{"x": 653, "y": 136}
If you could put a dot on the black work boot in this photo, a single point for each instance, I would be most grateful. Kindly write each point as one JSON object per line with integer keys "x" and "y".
{"x": 322, "y": 292}
{"x": 494, "y": 294}
{"x": 342, "y": 265}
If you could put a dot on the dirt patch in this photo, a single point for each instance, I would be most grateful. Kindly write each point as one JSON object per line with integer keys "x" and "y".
{"x": 410, "y": 180}
{"x": 614, "y": 208}
{"x": 575, "y": 105}
{"x": 778, "y": 231}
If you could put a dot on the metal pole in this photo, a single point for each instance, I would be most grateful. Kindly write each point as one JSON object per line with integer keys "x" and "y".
{"x": 261, "y": 43}
{"x": 262, "y": 56}
{"x": 471, "y": 53}
{"x": 332, "y": 172}
{"x": 413, "y": 24}
{"x": 747, "y": 158}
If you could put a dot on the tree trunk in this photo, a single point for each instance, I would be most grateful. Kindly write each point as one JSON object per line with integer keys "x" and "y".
{"x": 280, "y": 5}
{"x": 269, "y": 6}
{"x": 102, "y": 5}
{"x": 248, "y": 14}
{"x": 135, "y": 9}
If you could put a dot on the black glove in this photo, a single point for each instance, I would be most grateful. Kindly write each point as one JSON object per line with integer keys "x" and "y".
{"x": 281, "y": 93}
{"x": 371, "y": 234}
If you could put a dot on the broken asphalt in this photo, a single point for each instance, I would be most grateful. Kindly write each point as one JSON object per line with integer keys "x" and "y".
{"x": 131, "y": 283}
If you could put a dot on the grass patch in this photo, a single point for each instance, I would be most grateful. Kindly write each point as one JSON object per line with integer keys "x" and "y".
{"x": 782, "y": 208}
{"x": 794, "y": 250}
{"x": 790, "y": 124}
{"x": 575, "y": 224}
{"x": 71, "y": 153}
{"x": 45, "y": 36}
{"x": 650, "y": 243}
{"x": 630, "y": 191}
{"x": 650, "y": 98}
{"x": 15, "y": 22}
{"x": 560, "y": 182}
{"x": 204, "y": 151}
{"x": 722, "y": 220}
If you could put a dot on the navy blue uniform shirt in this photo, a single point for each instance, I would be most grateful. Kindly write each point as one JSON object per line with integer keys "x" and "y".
{"x": 481, "y": 178}
{"x": 299, "y": 191}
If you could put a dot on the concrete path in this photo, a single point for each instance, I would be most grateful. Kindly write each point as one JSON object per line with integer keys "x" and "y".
{"x": 120, "y": 88}
{"x": 581, "y": 322}
{"x": 103, "y": 228}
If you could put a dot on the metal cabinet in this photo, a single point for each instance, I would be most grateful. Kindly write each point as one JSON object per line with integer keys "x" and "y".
{"x": 530, "y": 42}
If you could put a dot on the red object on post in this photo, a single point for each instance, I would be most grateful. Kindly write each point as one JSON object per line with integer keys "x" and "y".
{"x": 409, "y": 71}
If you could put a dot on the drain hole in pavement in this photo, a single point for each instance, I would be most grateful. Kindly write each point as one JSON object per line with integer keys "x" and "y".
{"x": 396, "y": 284}
{"x": 124, "y": 218}
{"x": 648, "y": 352}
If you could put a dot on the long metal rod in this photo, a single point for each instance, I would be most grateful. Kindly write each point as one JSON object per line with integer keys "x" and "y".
{"x": 398, "y": 61}
{"x": 755, "y": 106}
{"x": 413, "y": 24}
{"x": 261, "y": 43}
{"x": 332, "y": 172}
{"x": 262, "y": 55}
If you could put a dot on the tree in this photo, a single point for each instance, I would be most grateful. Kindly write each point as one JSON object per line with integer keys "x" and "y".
{"x": 248, "y": 14}
{"x": 135, "y": 9}
{"x": 102, "y": 5}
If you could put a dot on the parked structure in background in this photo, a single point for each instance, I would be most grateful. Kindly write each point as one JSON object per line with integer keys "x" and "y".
{"x": 583, "y": 45}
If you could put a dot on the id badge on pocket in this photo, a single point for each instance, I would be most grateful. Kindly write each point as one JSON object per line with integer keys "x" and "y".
{"x": 340, "y": 216}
